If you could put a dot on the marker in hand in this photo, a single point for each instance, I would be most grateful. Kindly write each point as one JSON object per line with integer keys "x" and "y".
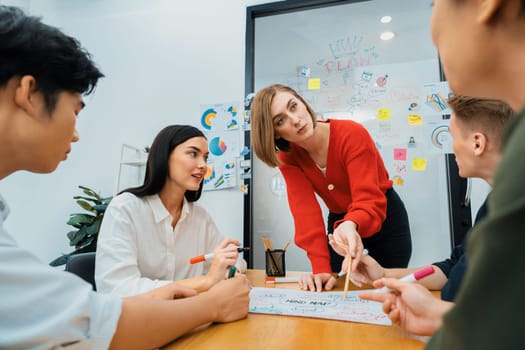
{"x": 209, "y": 256}
{"x": 231, "y": 271}
{"x": 416, "y": 276}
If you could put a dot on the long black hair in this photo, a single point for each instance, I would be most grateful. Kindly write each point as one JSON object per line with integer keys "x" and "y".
{"x": 157, "y": 167}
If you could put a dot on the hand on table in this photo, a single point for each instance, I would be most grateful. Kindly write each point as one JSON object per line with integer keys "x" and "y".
{"x": 315, "y": 283}
{"x": 232, "y": 298}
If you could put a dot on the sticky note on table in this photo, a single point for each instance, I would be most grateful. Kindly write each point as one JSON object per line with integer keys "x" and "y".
{"x": 314, "y": 84}
{"x": 383, "y": 114}
{"x": 419, "y": 164}
{"x": 415, "y": 119}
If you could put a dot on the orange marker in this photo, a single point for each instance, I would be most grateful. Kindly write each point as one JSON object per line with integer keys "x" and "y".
{"x": 209, "y": 256}
{"x": 281, "y": 279}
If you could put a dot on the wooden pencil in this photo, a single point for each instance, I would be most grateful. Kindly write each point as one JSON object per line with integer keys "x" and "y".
{"x": 349, "y": 269}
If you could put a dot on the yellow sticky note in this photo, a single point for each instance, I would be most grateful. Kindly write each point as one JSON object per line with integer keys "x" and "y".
{"x": 419, "y": 164}
{"x": 314, "y": 84}
{"x": 383, "y": 114}
{"x": 415, "y": 119}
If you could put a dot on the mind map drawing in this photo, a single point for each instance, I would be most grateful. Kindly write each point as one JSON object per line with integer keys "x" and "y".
{"x": 328, "y": 305}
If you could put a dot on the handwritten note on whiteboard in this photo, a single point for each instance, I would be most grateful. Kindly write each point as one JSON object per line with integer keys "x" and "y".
{"x": 329, "y": 305}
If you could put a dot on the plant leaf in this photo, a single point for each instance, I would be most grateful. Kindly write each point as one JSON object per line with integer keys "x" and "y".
{"x": 89, "y": 192}
{"x": 85, "y": 205}
{"x": 94, "y": 200}
{"x": 88, "y": 248}
{"x": 76, "y": 219}
{"x": 101, "y": 208}
{"x": 71, "y": 235}
{"x": 88, "y": 224}
{"x": 85, "y": 243}
{"x": 79, "y": 236}
{"x": 94, "y": 227}
{"x": 61, "y": 260}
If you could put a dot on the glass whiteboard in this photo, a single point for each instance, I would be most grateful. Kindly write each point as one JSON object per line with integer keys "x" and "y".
{"x": 334, "y": 57}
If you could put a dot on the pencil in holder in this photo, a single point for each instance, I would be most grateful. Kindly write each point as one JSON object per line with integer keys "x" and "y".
{"x": 275, "y": 263}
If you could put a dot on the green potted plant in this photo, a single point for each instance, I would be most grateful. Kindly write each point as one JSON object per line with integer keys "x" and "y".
{"x": 87, "y": 225}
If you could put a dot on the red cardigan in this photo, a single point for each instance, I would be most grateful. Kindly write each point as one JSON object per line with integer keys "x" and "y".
{"x": 355, "y": 183}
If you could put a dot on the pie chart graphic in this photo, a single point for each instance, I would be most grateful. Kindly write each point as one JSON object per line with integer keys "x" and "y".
{"x": 440, "y": 136}
{"x": 206, "y": 118}
{"x": 233, "y": 111}
{"x": 217, "y": 146}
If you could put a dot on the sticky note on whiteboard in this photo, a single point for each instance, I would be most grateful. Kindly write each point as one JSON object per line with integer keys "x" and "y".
{"x": 415, "y": 119}
{"x": 400, "y": 153}
{"x": 419, "y": 164}
{"x": 314, "y": 84}
{"x": 383, "y": 114}
{"x": 398, "y": 180}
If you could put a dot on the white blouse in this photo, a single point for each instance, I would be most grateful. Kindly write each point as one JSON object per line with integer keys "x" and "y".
{"x": 138, "y": 249}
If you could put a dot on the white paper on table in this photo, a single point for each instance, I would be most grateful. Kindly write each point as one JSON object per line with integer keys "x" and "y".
{"x": 328, "y": 305}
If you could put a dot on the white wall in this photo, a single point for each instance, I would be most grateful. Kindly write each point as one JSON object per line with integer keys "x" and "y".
{"x": 24, "y": 4}
{"x": 162, "y": 60}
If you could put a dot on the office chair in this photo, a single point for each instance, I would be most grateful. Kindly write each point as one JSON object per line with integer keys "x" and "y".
{"x": 83, "y": 265}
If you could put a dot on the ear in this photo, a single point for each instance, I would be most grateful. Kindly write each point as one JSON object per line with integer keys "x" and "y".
{"x": 480, "y": 143}
{"x": 488, "y": 10}
{"x": 24, "y": 94}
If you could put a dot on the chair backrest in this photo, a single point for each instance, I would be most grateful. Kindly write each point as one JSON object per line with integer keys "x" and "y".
{"x": 83, "y": 265}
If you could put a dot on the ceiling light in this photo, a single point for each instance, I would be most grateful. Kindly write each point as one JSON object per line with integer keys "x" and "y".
{"x": 386, "y": 19}
{"x": 387, "y": 35}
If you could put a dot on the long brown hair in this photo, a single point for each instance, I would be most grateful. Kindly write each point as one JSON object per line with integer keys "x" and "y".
{"x": 263, "y": 139}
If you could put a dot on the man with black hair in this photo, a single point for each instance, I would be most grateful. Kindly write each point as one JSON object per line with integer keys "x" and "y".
{"x": 43, "y": 75}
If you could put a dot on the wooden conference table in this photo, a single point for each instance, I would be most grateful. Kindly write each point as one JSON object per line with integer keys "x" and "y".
{"x": 273, "y": 332}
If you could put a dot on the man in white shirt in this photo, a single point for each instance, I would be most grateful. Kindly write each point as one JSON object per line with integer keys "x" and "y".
{"x": 43, "y": 75}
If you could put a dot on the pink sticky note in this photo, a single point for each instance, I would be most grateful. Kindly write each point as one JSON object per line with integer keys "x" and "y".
{"x": 400, "y": 154}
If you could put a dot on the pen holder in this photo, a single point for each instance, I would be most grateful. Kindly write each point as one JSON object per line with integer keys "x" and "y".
{"x": 275, "y": 266}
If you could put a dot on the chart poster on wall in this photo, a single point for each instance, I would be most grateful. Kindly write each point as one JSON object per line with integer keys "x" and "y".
{"x": 220, "y": 175}
{"x": 407, "y": 119}
{"x": 436, "y": 97}
{"x": 389, "y": 100}
{"x": 220, "y": 122}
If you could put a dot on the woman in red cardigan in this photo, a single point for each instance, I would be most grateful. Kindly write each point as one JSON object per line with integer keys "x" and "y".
{"x": 338, "y": 161}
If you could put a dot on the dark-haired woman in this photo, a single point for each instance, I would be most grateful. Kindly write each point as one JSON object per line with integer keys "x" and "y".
{"x": 150, "y": 232}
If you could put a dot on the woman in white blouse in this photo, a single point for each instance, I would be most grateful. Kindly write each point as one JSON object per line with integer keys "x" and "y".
{"x": 150, "y": 232}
